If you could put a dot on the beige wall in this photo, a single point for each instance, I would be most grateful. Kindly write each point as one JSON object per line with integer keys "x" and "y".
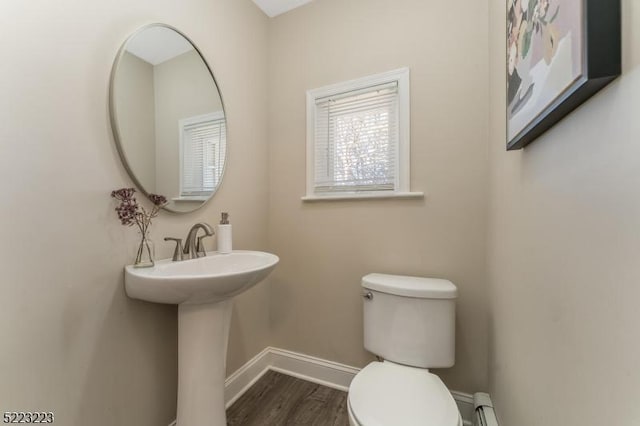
{"x": 564, "y": 268}
{"x": 135, "y": 106}
{"x": 183, "y": 89}
{"x": 326, "y": 247}
{"x": 72, "y": 342}
{"x": 560, "y": 312}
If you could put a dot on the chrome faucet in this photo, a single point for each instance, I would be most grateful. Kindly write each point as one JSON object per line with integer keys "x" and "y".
{"x": 193, "y": 247}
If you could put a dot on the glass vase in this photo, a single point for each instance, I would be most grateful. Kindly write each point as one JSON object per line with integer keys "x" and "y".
{"x": 145, "y": 253}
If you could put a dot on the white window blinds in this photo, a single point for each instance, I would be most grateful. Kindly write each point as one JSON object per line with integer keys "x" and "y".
{"x": 356, "y": 140}
{"x": 203, "y": 154}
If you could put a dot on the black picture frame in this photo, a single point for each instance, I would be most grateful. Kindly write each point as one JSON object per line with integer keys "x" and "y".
{"x": 602, "y": 63}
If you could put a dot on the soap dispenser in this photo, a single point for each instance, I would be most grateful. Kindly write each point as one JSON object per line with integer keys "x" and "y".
{"x": 224, "y": 235}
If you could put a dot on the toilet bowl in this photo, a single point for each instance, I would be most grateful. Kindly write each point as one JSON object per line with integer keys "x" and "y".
{"x": 384, "y": 393}
{"x": 410, "y": 322}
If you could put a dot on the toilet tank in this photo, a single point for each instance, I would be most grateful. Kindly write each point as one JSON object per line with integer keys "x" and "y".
{"x": 410, "y": 320}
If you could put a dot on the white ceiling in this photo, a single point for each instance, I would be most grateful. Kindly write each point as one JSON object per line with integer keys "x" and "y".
{"x": 276, "y": 7}
{"x": 158, "y": 44}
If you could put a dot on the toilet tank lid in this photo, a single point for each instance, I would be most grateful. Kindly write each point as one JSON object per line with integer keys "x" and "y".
{"x": 420, "y": 287}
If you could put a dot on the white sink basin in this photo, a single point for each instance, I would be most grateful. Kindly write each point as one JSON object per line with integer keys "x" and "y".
{"x": 213, "y": 278}
{"x": 203, "y": 289}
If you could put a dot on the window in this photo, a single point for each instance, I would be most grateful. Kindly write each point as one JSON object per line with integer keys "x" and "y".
{"x": 358, "y": 138}
{"x": 203, "y": 142}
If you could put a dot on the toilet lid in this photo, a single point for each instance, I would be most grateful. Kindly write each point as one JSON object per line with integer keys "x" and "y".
{"x": 385, "y": 394}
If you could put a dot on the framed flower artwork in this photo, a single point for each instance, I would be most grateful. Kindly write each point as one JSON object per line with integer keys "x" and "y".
{"x": 559, "y": 54}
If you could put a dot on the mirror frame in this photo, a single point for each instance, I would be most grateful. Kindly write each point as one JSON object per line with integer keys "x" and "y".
{"x": 114, "y": 120}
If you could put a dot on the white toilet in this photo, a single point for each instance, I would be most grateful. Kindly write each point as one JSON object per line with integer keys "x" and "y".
{"x": 410, "y": 323}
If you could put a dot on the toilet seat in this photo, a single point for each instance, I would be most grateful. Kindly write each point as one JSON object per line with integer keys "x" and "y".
{"x": 388, "y": 394}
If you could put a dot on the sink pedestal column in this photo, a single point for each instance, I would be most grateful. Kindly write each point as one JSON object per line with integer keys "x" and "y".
{"x": 203, "y": 334}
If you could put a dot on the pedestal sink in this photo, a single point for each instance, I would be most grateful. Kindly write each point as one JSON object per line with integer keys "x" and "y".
{"x": 203, "y": 289}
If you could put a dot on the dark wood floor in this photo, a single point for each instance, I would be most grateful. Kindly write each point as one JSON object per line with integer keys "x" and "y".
{"x": 278, "y": 400}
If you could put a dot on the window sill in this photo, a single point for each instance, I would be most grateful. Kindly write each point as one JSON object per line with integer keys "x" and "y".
{"x": 190, "y": 199}
{"x": 363, "y": 196}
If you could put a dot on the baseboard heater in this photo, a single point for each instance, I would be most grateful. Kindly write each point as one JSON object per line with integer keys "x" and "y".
{"x": 484, "y": 413}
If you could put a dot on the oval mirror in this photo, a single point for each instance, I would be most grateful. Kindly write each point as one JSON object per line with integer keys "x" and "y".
{"x": 168, "y": 118}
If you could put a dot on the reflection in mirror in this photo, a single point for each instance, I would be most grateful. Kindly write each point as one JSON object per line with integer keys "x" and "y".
{"x": 168, "y": 118}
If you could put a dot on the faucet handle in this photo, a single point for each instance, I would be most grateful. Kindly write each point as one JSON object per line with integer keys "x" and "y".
{"x": 177, "y": 253}
{"x": 200, "y": 251}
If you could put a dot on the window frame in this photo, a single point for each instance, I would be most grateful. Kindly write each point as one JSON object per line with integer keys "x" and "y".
{"x": 182, "y": 123}
{"x": 403, "y": 173}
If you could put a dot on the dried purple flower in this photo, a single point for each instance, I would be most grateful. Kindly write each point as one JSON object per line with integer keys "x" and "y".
{"x": 123, "y": 194}
{"x": 127, "y": 211}
{"x": 158, "y": 200}
{"x": 131, "y": 213}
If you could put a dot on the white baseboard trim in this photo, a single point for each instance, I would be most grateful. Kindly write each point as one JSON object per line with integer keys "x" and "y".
{"x": 465, "y": 406}
{"x": 243, "y": 378}
{"x": 312, "y": 369}
{"x": 309, "y": 368}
